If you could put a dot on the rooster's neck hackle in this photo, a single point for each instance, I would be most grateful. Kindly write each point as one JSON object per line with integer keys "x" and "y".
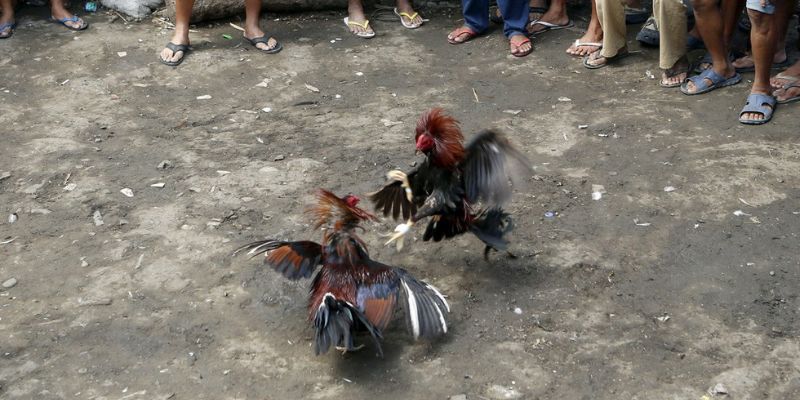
{"x": 448, "y": 148}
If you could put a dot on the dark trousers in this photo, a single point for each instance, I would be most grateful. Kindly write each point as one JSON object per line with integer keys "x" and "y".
{"x": 514, "y": 12}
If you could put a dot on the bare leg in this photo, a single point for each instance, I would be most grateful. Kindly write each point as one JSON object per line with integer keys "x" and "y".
{"x": 7, "y": 17}
{"x": 763, "y": 36}
{"x": 730, "y": 11}
{"x": 594, "y": 34}
{"x": 787, "y": 82}
{"x": 58, "y": 11}
{"x": 710, "y": 26}
{"x": 183, "y": 12}
{"x": 556, "y": 14}
{"x": 355, "y": 13}
{"x": 252, "y": 30}
{"x": 781, "y": 21}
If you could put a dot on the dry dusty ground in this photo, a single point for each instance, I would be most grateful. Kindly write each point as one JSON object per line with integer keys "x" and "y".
{"x": 148, "y": 305}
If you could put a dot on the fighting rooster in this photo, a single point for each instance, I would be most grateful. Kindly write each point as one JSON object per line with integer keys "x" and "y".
{"x": 451, "y": 181}
{"x": 351, "y": 292}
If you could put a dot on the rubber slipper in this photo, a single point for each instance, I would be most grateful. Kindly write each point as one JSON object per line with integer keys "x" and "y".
{"x": 779, "y": 65}
{"x": 175, "y": 48}
{"x": 786, "y": 87}
{"x": 463, "y": 31}
{"x": 364, "y": 25}
{"x": 410, "y": 17}
{"x": 635, "y": 15}
{"x": 547, "y": 27}
{"x": 8, "y": 27}
{"x": 717, "y": 81}
{"x": 518, "y": 45}
{"x": 63, "y": 21}
{"x": 649, "y": 34}
{"x": 609, "y": 60}
{"x": 265, "y": 39}
{"x": 671, "y": 74}
{"x": 578, "y": 43}
{"x": 758, "y": 103}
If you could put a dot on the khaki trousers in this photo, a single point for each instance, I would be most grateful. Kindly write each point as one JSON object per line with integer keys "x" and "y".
{"x": 671, "y": 20}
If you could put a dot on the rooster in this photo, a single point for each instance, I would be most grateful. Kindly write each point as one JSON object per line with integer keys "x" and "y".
{"x": 351, "y": 292}
{"x": 451, "y": 181}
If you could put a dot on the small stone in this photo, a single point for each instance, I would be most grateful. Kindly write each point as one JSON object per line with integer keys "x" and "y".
{"x": 12, "y": 218}
{"x": 771, "y": 273}
{"x": 84, "y": 263}
{"x": 669, "y": 189}
{"x": 82, "y": 370}
{"x": 42, "y": 211}
{"x": 127, "y": 192}
{"x": 10, "y": 283}
{"x": 312, "y": 88}
{"x": 718, "y": 389}
{"x": 158, "y": 185}
{"x": 97, "y": 218}
{"x": 204, "y": 97}
{"x": 165, "y": 164}
{"x": 279, "y": 157}
{"x": 102, "y": 301}
{"x": 517, "y": 311}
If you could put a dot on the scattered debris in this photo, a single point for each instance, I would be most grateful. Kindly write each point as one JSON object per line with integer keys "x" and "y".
{"x": 139, "y": 262}
{"x": 771, "y": 273}
{"x": 279, "y": 157}
{"x": 583, "y": 126}
{"x": 745, "y": 203}
{"x": 226, "y": 36}
{"x": 564, "y": 99}
{"x": 512, "y": 112}
{"x": 127, "y": 192}
{"x": 649, "y": 74}
{"x": 388, "y": 123}
{"x": 10, "y": 283}
{"x": 636, "y": 221}
{"x": 266, "y": 109}
{"x": 84, "y": 263}
{"x": 597, "y": 192}
{"x": 121, "y": 54}
{"x": 549, "y": 214}
{"x": 70, "y": 187}
{"x": 158, "y": 185}
{"x": 204, "y": 97}
{"x": 97, "y": 217}
{"x": 517, "y": 311}
{"x": 8, "y": 240}
{"x": 359, "y": 73}
{"x": 312, "y": 88}
{"x": 223, "y": 172}
{"x": 740, "y": 213}
{"x": 164, "y": 164}
{"x": 237, "y": 27}
{"x": 718, "y": 389}
{"x": 12, "y": 218}
{"x": 663, "y": 318}
{"x": 669, "y": 189}
{"x": 102, "y": 301}
{"x": 474, "y": 93}
{"x": 4, "y": 175}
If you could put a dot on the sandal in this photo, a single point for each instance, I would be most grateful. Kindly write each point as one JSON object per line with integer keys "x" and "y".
{"x": 785, "y": 88}
{"x": 671, "y": 73}
{"x": 63, "y": 21}
{"x": 410, "y": 17}
{"x": 515, "y": 47}
{"x": 620, "y": 55}
{"x": 758, "y": 103}
{"x": 578, "y": 43}
{"x": 463, "y": 32}
{"x": 265, "y": 39}
{"x": 175, "y": 48}
{"x": 7, "y": 29}
{"x": 548, "y": 26}
{"x": 751, "y": 68}
{"x": 717, "y": 81}
{"x": 649, "y": 34}
{"x": 366, "y": 34}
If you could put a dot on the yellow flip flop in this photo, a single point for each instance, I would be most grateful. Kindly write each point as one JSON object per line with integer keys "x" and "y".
{"x": 410, "y": 18}
{"x": 364, "y": 25}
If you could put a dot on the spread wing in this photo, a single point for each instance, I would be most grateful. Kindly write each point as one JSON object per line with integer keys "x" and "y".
{"x": 424, "y": 306}
{"x": 492, "y": 167}
{"x": 393, "y": 199}
{"x": 294, "y": 260}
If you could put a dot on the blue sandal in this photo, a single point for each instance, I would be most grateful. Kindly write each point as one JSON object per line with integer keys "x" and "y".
{"x": 717, "y": 81}
{"x": 63, "y": 21}
{"x": 9, "y": 26}
{"x": 758, "y": 103}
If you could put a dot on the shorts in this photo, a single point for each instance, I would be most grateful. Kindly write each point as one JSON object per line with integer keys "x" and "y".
{"x": 755, "y": 5}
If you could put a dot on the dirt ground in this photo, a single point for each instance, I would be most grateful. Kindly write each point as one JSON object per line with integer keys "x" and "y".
{"x": 645, "y": 293}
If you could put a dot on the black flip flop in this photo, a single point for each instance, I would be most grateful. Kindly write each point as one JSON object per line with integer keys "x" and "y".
{"x": 265, "y": 39}
{"x": 175, "y": 48}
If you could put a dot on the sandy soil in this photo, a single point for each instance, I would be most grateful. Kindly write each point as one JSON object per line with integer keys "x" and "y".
{"x": 148, "y": 305}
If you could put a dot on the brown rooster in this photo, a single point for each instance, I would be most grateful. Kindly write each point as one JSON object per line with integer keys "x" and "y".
{"x": 452, "y": 181}
{"x": 351, "y": 292}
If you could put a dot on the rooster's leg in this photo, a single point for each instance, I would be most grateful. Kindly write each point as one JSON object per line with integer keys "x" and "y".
{"x": 345, "y": 350}
{"x": 400, "y": 232}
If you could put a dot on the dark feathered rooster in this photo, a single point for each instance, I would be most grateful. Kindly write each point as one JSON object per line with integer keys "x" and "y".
{"x": 452, "y": 181}
{"x": 351, "y": 292}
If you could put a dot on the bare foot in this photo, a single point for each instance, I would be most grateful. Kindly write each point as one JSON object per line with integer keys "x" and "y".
{"x": 791, "y": 74}
{"x": 405, "y": 9}
{"x": 552, "y": 17}
{"x": 747, "y": 62}
{"x": 178, "y": 38}
{"x": 675, "y": 76}
{"x": 520, "y": 45}
{"x": 252, "y": 32}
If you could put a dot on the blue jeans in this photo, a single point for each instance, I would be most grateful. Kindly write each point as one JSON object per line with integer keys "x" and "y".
{"x": 514, "y": 12}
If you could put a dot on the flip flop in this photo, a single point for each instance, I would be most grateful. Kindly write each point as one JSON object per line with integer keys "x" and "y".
{"x": 609, "y": 60}
{"x": 518, "y": 45}
{"x": 578, "y": 43}
{"x": 784, "y": 77}
{"x": 717, "y": 81}
{"x": 468, "y": 34}
{"x": 9, "y": 26}
{"x": 786, "y": 87}
{"x": 410, "y": 18}
{"x": 63, "y": 21}
{"x": 649, "y": 34}
{"x": 760, "y": 104}
{"x": 265, "y": 39}
{"x": 779, "y": 65}
{"x": 364, "y": 25}
{"x": 671, "y": 74}
{"x": 175, "y": 48}
{"x": 548, "y": 26}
